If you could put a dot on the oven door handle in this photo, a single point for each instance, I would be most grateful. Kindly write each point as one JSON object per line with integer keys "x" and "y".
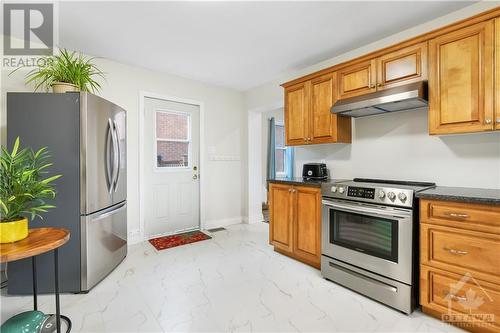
{"x": 365, "y": 210}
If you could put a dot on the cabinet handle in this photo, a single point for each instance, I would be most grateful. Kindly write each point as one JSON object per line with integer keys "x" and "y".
{"x": 455, "y": 297}
{"x": 458, "y": 215}
{"x": 372, "y": 86}
{"x": 290, "y": 190}
{"x": 453, "y": 251}
{"x": 488, "y": 121}
{"x": 498, "y": 120}
{"x": 380, "y": 85}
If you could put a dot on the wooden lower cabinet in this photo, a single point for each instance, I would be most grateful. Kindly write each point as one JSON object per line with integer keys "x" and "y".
{"x": 470, "y": 303}
{"x": 460, "y": 263}
{"x": 295, "y": 222}
{"x": 280, "y": 214}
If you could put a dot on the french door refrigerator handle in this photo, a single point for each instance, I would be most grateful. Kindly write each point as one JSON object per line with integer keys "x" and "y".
{"x": 109, "y": 138}
{"x": 114, "y": 177}
{"x": 109, "y": 211}
{"x": 116, "y": 157}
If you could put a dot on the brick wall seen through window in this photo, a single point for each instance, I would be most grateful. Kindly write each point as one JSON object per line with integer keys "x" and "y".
{"x": 172, "y": 139}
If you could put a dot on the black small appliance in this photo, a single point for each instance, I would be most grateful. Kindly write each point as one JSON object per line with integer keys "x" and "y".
{"x": 315, "y": 171}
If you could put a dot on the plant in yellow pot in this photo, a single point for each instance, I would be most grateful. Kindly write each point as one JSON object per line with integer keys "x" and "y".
{"x": 23, "y": 190}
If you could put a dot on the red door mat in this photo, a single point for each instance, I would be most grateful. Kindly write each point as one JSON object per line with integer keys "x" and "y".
{"x": 165, "y": 242}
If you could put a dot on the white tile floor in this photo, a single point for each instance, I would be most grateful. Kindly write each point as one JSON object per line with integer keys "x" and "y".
{"x": 233, "y": 282}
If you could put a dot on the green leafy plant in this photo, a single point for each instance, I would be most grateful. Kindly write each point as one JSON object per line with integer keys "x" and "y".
{"x": 67, "y": 67}
{"x": 22, "y": 186}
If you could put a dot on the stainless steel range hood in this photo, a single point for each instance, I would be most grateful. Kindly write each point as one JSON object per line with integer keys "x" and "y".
{"x": 407, "y": 97}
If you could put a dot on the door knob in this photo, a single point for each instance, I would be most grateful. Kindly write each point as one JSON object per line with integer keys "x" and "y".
{"x": 488, "y": 121}
{"x": 498, "y": 120}
{"x": 195, "y": 177}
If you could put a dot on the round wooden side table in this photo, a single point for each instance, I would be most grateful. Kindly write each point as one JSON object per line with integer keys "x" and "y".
{"x": 39, "y": 240}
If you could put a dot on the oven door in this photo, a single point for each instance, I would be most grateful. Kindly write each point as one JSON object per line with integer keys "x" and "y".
{"x": 372, "y": 237}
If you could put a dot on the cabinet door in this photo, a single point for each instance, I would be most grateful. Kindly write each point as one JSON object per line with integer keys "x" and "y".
{"x": 402, "y": 66}
{"x": 357, "y": 79}
{"x": 323, "y": 123}
{"x": 297, "y": 100}
{"x": 497, "y": 73}
{"x": 280, "y": 222}
{"x": 461, "y": 80}
{"x": 307, "y": 224}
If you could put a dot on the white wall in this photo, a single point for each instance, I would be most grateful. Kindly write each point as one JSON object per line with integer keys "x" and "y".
{"x": 270, "y": 95}
{"x": 225, "y": 132}
{"x": 398, "y": 145}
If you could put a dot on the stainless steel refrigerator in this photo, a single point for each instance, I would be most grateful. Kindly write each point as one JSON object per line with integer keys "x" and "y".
{"x": 86, "y": 136}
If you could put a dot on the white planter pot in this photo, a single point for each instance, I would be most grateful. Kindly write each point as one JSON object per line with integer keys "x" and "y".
{"x": 62, "y": 87}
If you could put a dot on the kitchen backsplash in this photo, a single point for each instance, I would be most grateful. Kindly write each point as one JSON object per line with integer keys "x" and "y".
{"x": 398, "y": 146}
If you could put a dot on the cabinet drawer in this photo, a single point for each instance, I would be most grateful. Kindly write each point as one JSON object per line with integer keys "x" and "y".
{"x": 449, "y": 293}
{"x": 461, "y": 251}
{"x": 461, "y": 215}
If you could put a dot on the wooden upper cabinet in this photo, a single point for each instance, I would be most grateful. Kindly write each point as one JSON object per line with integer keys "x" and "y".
{"x": 357, "y": 79}
{"x": 307, "y": 224}
{"x": 308, "y": 119}
{"x": 497, "y": 74}
{"x": 461, "y": 80}
{"x": 323, "y": 122}
{"x": 403, "y": 66}
{"x": 281, "y": 229}
{"x": 297, "y": 113}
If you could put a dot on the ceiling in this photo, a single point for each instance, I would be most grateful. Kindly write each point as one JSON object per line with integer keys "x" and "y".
{"x": 234, "y": 44}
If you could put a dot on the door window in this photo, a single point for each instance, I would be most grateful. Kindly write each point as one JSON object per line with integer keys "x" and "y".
{"x": 172, "y": 139}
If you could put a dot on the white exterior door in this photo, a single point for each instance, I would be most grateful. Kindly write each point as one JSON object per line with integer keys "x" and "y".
{"x": 171, "y": 167}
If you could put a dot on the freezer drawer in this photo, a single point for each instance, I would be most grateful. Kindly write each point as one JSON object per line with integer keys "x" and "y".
{"x": 104, "y": 243}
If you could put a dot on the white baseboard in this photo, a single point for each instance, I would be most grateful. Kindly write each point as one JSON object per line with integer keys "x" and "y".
{"x": 222, "y": 222}
{"x": 134, "y": 237}
{"x": 254, "y": 218}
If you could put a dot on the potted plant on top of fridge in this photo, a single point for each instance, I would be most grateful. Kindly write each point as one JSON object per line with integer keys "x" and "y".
{"x": 23, "y": 190}
{"x": 66, "y": 71}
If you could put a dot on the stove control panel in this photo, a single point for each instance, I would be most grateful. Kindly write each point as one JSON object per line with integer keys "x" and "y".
{"x": 361, "y": 192}
{"x": 377, "y": 195}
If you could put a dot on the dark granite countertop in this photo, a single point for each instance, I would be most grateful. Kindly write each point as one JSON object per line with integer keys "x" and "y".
{"x": 301, "y": 181}
{"x": 463, "y": 194}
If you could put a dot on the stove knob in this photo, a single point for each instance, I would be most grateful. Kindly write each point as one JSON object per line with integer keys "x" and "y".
{"x": 391, "y": 196}
{"x": 402, "y": 196}
{"x": 334, "y": 189}
{"x": 381, "y": 194}
{"x": 341, "y": 190}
